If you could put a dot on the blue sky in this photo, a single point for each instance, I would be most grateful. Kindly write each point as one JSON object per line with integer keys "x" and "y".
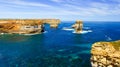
{"x": 87, "y": 10}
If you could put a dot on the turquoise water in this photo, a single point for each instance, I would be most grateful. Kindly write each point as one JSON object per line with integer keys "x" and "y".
{"x": 56, "y": 47}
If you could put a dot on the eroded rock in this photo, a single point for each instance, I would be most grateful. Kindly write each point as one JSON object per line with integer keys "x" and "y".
{"x": 78, "y": 26}
{"x": 105, "y": 54}
{"x": 26, "y": 26}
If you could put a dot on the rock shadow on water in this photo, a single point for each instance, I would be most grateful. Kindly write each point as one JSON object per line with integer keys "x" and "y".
{"x": 13, "y": 38}
{"x": 17, "y": 37}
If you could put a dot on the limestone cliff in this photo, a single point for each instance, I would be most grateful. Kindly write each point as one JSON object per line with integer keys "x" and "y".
{"x": 78, "y": 26}
{"x": 105, "y": 54}
{"x": 26, "y": 26}
{"x": 20, "y": 26}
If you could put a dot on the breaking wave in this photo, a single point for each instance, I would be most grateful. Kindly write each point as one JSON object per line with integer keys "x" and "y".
{"x": 68, "y": 29}
{"x": 108, "y": 38}
{"x": 33, "y": 33}
{"x": 71, "y": 29}
{"x": 84, "y": 31}
{"x": 86, "y": 27}
{"x": 45, "y": 32}
{"x": 29, "y": 34}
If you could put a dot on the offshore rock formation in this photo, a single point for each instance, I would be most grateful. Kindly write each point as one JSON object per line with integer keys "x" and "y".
{"x": 53, "y": 22}
{"x": 26, "y": 26}
{"x": 78, "y": 26}
{"x": 106, "y": 54}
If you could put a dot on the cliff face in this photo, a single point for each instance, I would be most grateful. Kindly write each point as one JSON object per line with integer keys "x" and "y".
{"x": 78, "y": 26}
{"x": 16, "y": 26}
{"x": 8, "y": 27}
{"x": 26, "y": 26}
{"x": 106, "y": 54}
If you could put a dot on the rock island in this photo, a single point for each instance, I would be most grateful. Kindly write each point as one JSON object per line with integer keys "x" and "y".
{"x": 78, "y": 26}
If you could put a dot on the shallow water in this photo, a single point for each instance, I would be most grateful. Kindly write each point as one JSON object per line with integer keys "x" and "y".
{"x": 56, "y": 47}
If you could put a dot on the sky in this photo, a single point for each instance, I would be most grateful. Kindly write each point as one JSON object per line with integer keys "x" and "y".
{"x": 65, "y": 10}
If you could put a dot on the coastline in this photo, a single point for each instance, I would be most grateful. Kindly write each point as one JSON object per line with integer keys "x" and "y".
{"x": 106, "y": 54}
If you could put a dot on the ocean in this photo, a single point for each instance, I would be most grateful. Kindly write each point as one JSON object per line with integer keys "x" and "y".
{"x": 60, "y": 47}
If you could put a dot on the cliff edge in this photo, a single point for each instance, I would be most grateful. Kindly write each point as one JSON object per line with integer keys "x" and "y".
{"x": 26, "y": 26}
{"x": 105, "y": 54}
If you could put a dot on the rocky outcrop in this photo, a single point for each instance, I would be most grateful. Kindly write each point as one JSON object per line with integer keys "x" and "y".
{"x": 21, "y": 26}
{"x": 78, "y": 26}
{"x": 26, "y": 26}
{"x": 105, "y": 54}
{"x": 53, "y": 22}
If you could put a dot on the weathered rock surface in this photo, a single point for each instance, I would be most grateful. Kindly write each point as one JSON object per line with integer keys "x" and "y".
{"x": 78, "y": 26}
{"x": 53, "y": 22}
{"x": 105, "y": 54}
{"x": 26, "y": 26}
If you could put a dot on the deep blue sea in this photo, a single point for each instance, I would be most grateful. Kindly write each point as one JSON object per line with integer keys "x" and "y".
{"x": 56, "y": 47}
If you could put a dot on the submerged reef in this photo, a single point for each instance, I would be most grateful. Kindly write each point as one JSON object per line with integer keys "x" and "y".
{"x": 106, "y": 54}
{"x": 47, "y": 61}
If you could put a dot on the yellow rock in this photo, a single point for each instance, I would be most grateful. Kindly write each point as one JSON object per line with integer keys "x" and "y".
{"x": 106, "y": 53}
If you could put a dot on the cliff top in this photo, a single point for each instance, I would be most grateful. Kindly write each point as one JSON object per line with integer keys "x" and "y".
{"x": 106, "y": 54}
{"x": 115, "y": 44}
{"x": 78, "y": 21}
{"x": 29, "y": 19}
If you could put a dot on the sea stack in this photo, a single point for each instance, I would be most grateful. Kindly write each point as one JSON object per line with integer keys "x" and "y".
{"x": 78, "y": 26}
{"x": 105, "y": 54}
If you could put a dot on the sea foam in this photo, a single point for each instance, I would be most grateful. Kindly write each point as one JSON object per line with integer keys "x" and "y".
{"x": 45, "y": 32}
{"x": 68, "y": 29}
{"x": 84, "y": 31}
{"x": 108, "y": 38}
{"x": 86, "y": 27}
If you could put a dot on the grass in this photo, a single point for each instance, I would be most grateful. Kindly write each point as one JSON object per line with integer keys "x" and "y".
{"x": 116, "y": 44}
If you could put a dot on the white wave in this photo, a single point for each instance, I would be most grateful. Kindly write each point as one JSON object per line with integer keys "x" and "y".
{"x": 68, "y": 29}
{"x": 45, "y": 31}
{"x": 86, "y": 27}
{"x": 84, "y": 31}
{"x": 33, "y": 33}
{"x": 2, "y": 33}
{"x": 29, "y": 34}
{"x": 108, "y": 38}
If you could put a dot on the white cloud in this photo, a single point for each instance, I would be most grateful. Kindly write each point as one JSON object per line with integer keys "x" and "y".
{"x": 65, "y": 8}
{"x": 58, "y": 1}
{"x": 24, "y": 3}
{"x": 95, "y": 8}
